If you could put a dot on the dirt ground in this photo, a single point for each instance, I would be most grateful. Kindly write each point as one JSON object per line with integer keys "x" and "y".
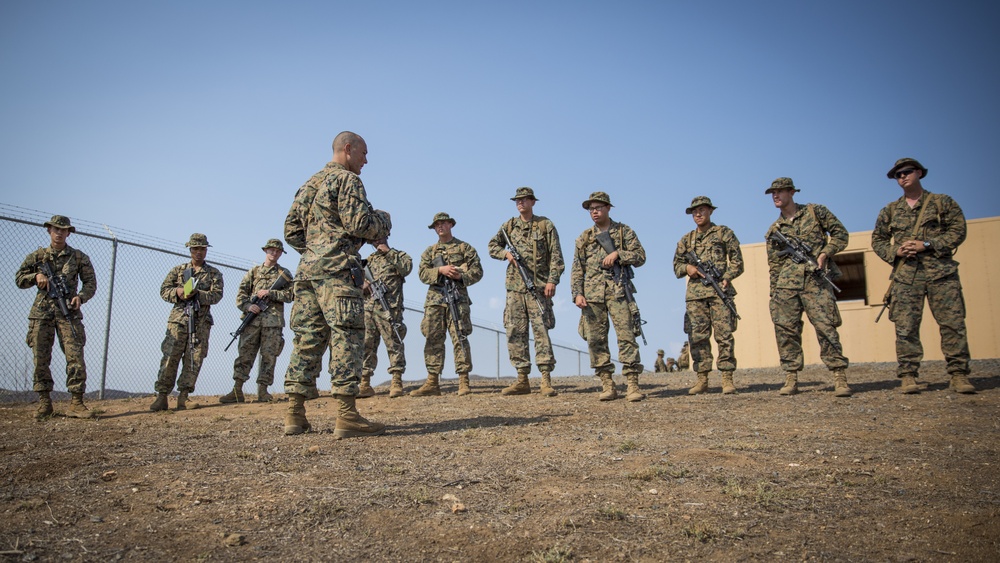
{"x": 753, "y": 476}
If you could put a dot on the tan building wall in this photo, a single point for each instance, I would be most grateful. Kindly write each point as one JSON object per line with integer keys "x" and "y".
{"x": 863, "y": 339}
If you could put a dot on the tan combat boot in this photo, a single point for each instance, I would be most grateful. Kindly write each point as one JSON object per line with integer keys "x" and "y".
{"x": 547, "y": 389}
{"x": 365, "y": 389}
{"x": 633, "y": 394}
{"x": 908, "y": 385}
{"x": 262, "y": 395}
{"x": 350, "y": 423}
{"x": 728, "y": 387}
{"x": 295, "y": 418}
{"x": 396, "y": 387}
{"x": 234, "y": 396}
{"x": 701, "y": 386}
{"x": 430, "y": 388}
{"x": 183, "y": 403}
{"x": 960, "y": 384}
{"x": 791, "y": 383}
{"x": 160, "y": 404}
{"x": 519, "y": 387}
{"x": 44, "y": 405}
{"x": 77, "y": 409}
{"x": 608, "y": 391}
{"x": 840, "y": 387}
{"x": 463, "y": 384}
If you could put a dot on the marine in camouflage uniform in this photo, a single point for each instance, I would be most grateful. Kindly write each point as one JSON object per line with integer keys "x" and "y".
{"x": 264, "y": 333}
{"x": 707, "y": 313}
{"x": 684, "y": 358}
{"x": 176, "y": 345}
{"x": 796, "y": 287}
{"x": 390, "y": 266}
{"x": 463, "y": 266}
{"x": 535, "y": 238}
{"x": 660, "y": 366}
{"x": 328, "y": 223}
{"x": 600, "y": 298}
{"x": 46, "y": 321}
{"x": 918, "y": 235}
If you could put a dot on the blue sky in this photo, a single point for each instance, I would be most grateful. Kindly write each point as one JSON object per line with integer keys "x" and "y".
{"x": 175, "y": 117}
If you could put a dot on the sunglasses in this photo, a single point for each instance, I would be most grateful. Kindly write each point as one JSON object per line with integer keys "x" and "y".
{"x": 905, "y": 172}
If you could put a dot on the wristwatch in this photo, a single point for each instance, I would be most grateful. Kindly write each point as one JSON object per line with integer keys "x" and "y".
{"x": 927, "y": 244}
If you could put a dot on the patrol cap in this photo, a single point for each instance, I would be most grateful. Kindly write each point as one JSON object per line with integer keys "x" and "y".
{"x": 274, "y": 243}
{"x": 904, "y": 162}
{"x": 442, "y": 216}
{"x": 781, "y": 184}
{"x": 197, "y": 239}
{"x": 524, "y": 192}
{"x": 599, "y": 197}
{"x": 60, "y": 222}
{"x": 699, "y": 201}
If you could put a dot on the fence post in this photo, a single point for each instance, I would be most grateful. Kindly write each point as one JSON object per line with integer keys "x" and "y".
{"x": 107, "y": 322}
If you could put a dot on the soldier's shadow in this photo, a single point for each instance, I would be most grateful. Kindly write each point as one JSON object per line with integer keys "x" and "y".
{"x": 466, "y": 424}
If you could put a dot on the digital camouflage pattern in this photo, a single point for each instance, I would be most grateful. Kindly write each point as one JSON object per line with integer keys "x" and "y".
{"x": 46, "y": 323}
{"x": 391, "y": 268}
{"x": 175, "y": 342}
{"x": 795, "y": 289}
{"x": 264, "y": 334}
{"x": 330, "y": 219}
{"x": 537, "y": 241}
{"x": 605, "y": 298}
{"x": 706, "y": 314}
{"x": 932, "y": 274}
{"x": 437, "y": 320}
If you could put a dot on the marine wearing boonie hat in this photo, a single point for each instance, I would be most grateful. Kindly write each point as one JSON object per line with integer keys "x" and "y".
{"x": 782, "y": 184}
{"x": 699, "y": 201}
{"x": 524, "y": 192}
{"x": 442, "y": 216}
{"x": 903, "y": 162}
{"x": 274, "y": 243}
{"x": 599, "y": 197}
{"x": 59, "y": 222}
{"x": 197, "y": 239}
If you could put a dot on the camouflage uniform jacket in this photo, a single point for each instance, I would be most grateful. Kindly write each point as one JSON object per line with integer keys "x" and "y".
{"x": 538, "y": 243}
{"x": 391, "y": 269}
{"x": 262, "y": 277}
{"x": 718, "y": 245}
{"x": 69, "y": 262}
{"x": 592, "y": 281}
{"x": 942, "y": 224}
{"x": 810, "y": 227}
{"x": 456, "y": 253}
{"x": 329, "y": 221}
{"x": 208, "y": 292}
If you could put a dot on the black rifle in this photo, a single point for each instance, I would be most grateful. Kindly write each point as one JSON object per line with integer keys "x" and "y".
{"x": 279, "y": 284}
{"x": 58, "y": 289}
{"x": 378, "y": 290}
{"x": 801, "y": 253}
{"x": 449, "y": 288}
{"x": 529, "y": 282}
{"x": 191, "y": 308}
{"x": 622, "y": 275}
{"x": 710, "y": 275}
{"x": 886, "y": 300}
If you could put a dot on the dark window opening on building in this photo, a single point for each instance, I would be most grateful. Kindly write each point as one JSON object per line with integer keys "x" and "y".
{"x": 853, "y": 285}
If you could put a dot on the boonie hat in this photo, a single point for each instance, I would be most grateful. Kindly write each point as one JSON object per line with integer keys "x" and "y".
{"x": 599, "y": 197}
{"x": 197, "y": 239}
{"x": 903, "y": 162}
{"x": 781, "y": 184}
{"x": 660, "y": 352}
{"x": 442, "y": 216}
{"x": 699, "y": 201}
{"x": 60, "y": 222}
{"x": 274, "y": 243}
{"x": 524, "y": 192}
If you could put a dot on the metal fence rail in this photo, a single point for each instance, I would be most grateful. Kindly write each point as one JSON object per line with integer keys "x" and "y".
{"x": 126, "y": 319}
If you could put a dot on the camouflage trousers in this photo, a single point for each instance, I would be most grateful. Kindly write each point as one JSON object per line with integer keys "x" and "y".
{"x": 42, "y": 334}
{"x": 947, "y": 305}
{"x": 595, "y": 318}
{"x": 435, "y": 325}
{"x": 322, "y": 317}
{"x": 269, "y": 341}
{"x": 175, "y": 352}
{"x": 703, "y": 318}
{"x": 819, "y": 305}
{"x": 520, "y": 311}
{"x": 378, "y": 327}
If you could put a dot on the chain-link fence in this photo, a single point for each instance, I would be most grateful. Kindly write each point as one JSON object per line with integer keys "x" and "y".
{"x": 126, "y": 319}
